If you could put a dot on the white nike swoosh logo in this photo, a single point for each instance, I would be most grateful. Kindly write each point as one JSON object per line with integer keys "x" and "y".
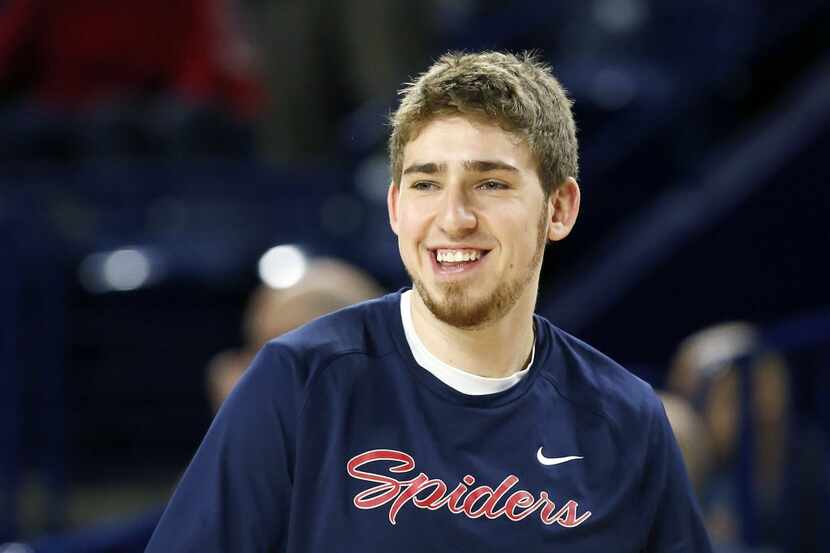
{"x": 554, "y": 460}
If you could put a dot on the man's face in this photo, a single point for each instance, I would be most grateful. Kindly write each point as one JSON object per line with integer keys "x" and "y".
{"x": 471, "y": 220}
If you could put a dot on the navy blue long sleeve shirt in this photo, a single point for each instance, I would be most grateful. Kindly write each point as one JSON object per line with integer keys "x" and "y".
{"x": 337, "y": 440}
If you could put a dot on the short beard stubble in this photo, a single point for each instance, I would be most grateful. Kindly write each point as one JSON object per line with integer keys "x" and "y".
{"x": 460, "y": 311}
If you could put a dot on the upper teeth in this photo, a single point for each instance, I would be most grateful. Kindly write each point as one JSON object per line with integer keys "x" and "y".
{"x": 454, "y": 256}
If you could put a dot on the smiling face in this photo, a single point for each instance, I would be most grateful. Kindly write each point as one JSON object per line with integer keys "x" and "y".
{"x": 472, "y": 219}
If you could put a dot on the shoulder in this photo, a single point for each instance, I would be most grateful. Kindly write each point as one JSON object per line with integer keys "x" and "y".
{"x": 593, "y": 381}
{"x": 360, "y": 329}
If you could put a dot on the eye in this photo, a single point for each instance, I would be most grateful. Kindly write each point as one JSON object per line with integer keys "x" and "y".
{"x": 422, "y": 185}
{"x": 492, "y": 185}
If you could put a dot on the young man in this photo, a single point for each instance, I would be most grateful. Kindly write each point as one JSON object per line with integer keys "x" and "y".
{"x": 448, "y": 417}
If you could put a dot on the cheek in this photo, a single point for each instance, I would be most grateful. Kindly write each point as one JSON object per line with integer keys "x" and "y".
{"x": 410, "y": 236}
{"x": 410, "y": 233}
{"x": 527, "y": 238}
{"x": 412, "y": 219}
{"x": 516, "y": 236}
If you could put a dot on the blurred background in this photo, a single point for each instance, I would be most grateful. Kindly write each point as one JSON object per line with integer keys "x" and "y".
{"x": 181, "y": 180}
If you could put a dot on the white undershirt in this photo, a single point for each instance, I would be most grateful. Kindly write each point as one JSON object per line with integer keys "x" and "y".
{"x": 460, "y": 380}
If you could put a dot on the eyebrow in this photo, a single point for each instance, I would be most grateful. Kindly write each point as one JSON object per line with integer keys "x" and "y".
{"x": 427, "y": 168}
{"x": 479, "y": 166}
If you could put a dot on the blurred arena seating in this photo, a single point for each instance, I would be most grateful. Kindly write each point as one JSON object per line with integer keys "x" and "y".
{"x": 130, "y": 238}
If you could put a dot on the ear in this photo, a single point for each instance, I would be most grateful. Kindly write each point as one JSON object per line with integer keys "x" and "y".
{"x": 563, "y": 206}
{"x": 392, "y": 196}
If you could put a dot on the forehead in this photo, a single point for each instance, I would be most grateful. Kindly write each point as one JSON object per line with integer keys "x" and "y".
{"x": 458, "y": 139}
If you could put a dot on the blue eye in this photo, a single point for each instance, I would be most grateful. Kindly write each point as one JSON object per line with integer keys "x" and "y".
{"x": 492, "y": 185}
{"x": 422, "y": 185}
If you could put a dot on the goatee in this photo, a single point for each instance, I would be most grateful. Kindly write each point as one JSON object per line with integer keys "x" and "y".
{"x": 455, "y": 307}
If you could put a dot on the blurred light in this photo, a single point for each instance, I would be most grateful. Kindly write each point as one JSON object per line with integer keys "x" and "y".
{"x": 126, "y": 269}
{"x": 120, "y": 270}
{"x": 620, "y": 16}
{"x": 15, "y": 547}
{"x": 282, "y": 266}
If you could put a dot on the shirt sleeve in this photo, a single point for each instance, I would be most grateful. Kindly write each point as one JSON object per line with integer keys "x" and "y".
{"x": 678, "y": 525}
{"x": 235, "y": 494}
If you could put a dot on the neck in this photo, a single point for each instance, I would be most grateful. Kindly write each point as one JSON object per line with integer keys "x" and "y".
{"x": 498, "y": 349}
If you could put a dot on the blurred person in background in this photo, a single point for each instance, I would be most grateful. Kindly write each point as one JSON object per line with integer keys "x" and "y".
{"x": 86, "y": 77}
{"x": 695, "y": 443}
{"x": 324, "y": 59}
{"x": 787, "y": 469}
{"x": 692, "y": 437}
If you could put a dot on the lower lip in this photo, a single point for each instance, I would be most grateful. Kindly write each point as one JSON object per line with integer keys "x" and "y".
{"x": 455, "y": 269}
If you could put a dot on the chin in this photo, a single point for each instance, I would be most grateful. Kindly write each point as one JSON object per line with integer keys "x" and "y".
{"x": 452, "y": 304}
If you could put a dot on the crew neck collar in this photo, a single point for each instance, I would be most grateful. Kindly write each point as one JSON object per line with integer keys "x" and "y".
{"x": 456, "y": 378}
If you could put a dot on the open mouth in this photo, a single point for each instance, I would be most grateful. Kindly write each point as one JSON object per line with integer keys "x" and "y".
{"x": 450, "y": 261}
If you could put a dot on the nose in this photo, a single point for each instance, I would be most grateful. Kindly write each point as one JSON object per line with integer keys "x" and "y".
{"x": 456, "y": 218}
